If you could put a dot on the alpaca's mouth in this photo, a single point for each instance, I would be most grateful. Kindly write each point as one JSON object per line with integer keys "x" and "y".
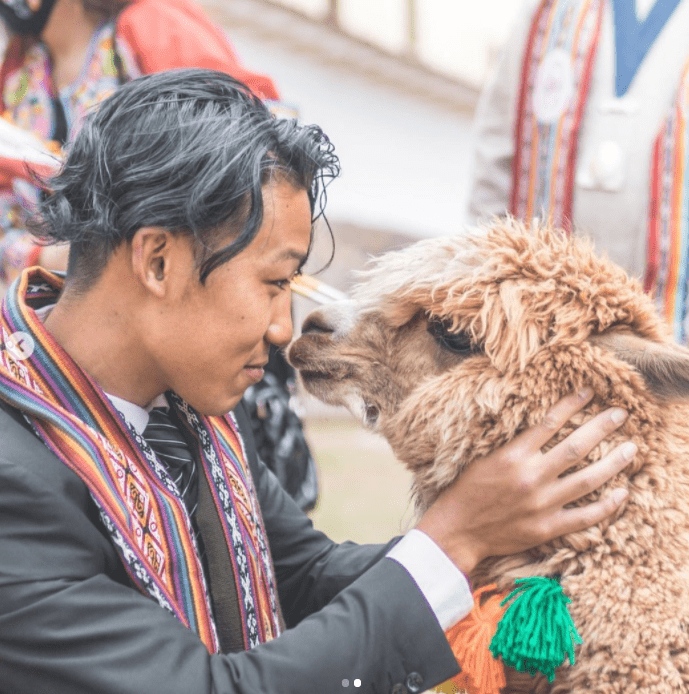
{"x": 314, "y": 375}
{"x": 318, "y": 383}
{"x": 331, "y": 370}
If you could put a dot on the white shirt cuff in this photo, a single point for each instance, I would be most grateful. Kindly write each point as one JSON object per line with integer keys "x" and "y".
{"x": 444, "y": 586}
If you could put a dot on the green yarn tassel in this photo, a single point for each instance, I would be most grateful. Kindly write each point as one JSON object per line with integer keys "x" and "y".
{"x": 536, "y": 630}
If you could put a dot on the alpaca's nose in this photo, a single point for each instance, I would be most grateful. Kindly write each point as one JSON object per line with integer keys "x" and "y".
{"x": 316, "y": 322}
{"x": 333, "y": 319}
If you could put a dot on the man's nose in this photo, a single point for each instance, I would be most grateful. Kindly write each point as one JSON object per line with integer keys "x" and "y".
{"x": 280, "y": 329}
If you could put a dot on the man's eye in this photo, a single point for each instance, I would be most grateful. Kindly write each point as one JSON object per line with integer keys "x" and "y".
{"x": 284, "y": 282}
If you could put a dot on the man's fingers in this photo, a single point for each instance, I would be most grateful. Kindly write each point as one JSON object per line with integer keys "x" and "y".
{"x": 584, "y": 439}
{"x": 590, "y": 478}
{"x": 573, "y": 520}
{"x": 558, "y": 415}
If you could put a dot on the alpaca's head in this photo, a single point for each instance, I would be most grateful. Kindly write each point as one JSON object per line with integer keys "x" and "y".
{"x": 451, "y": 346}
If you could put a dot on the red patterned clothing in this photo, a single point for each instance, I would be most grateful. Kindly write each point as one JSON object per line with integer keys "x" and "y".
{"x": 32, "y": 103}
{"x": 147, "y": 36}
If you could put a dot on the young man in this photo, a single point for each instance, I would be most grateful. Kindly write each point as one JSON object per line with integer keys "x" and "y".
{"x": 142, "y": 544}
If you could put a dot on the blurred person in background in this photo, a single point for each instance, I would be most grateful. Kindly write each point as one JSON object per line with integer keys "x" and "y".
{"x": 584, "y": 122}
{"x": 66, "y": 56}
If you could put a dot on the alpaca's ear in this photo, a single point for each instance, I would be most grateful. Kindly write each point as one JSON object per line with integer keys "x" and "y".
{"x": 665, "y": 367}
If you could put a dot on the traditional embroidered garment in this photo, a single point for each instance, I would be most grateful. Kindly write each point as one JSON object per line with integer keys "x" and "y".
{"x": 546, "y": 149}
{"x": 555, "y": 78}
{"x": 668, "y": 224}
{"x": 29, "y": 96}
{"x": 138, "y": 502}
{"x": 147, "y": 36}
{"x": 31, "y": 103}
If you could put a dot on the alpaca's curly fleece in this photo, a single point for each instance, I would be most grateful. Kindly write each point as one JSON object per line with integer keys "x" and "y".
{"x": 531, "y": 299}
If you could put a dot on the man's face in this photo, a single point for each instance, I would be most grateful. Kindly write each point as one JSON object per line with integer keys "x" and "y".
{"x": 213, "y": 339}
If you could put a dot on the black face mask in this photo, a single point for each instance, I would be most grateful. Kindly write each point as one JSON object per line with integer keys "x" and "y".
{"x": 21, "y": 19}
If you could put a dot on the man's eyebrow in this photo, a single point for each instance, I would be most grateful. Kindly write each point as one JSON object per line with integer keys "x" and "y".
{"x": 291, "y": 254}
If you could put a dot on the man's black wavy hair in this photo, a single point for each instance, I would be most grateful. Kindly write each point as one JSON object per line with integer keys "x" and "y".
{"x": 187, "y": 150}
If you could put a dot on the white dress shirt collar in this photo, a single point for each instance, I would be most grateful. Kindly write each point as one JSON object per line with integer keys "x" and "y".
{"x": 134, "y": 414}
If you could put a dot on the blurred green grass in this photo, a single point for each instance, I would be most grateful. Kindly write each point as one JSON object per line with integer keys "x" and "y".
{"x": 364, "y": 490}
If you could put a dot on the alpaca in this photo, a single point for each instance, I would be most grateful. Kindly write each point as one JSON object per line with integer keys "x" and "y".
{"x": 450, "y": 347}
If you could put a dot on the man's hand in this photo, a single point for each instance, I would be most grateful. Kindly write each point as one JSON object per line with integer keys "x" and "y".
{"x": 514, "y": 499}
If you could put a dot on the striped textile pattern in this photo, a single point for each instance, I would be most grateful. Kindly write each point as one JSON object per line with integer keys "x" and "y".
{"x": 224, "y": 458}
{"x": 139, "y": 503}
{"x": 545, "y": 152}
{"x": 668, "y": 224}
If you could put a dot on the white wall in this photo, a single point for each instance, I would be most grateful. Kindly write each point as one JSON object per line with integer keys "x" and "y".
{"x": 384, "y": 22}
{"x": 463, "y": 37}
{"x": 405, "y": 161}
{"x": 459, "y": 37}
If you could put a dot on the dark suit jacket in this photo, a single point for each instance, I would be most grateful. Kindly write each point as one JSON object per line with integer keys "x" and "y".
{"x": 71, "y": 623}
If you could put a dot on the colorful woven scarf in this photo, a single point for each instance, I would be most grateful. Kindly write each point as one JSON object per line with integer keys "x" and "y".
{"x": 554, "y": 85}
{"x": 668, "y": 223}
{"x": 138, "y": 502}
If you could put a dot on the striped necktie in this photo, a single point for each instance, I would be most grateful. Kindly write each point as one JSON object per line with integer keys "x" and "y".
{"x": 167, "y": 442}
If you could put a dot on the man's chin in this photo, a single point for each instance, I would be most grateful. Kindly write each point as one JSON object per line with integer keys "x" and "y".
{"x": 213, "y": 407}
{"x": 219, "y": 410}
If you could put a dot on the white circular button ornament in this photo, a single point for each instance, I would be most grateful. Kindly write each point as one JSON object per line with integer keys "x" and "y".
{"x": 20, "y": 345}
{"x": 608, "y": 163}
{"x": 554, "y": 86}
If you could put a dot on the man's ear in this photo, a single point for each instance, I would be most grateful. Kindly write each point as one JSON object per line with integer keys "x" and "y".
{"x": 665, "y": 367}
{"x": 151, "y": 251}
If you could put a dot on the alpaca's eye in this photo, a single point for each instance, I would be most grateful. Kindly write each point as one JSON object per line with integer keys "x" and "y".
{"x": 459, "y": 343}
